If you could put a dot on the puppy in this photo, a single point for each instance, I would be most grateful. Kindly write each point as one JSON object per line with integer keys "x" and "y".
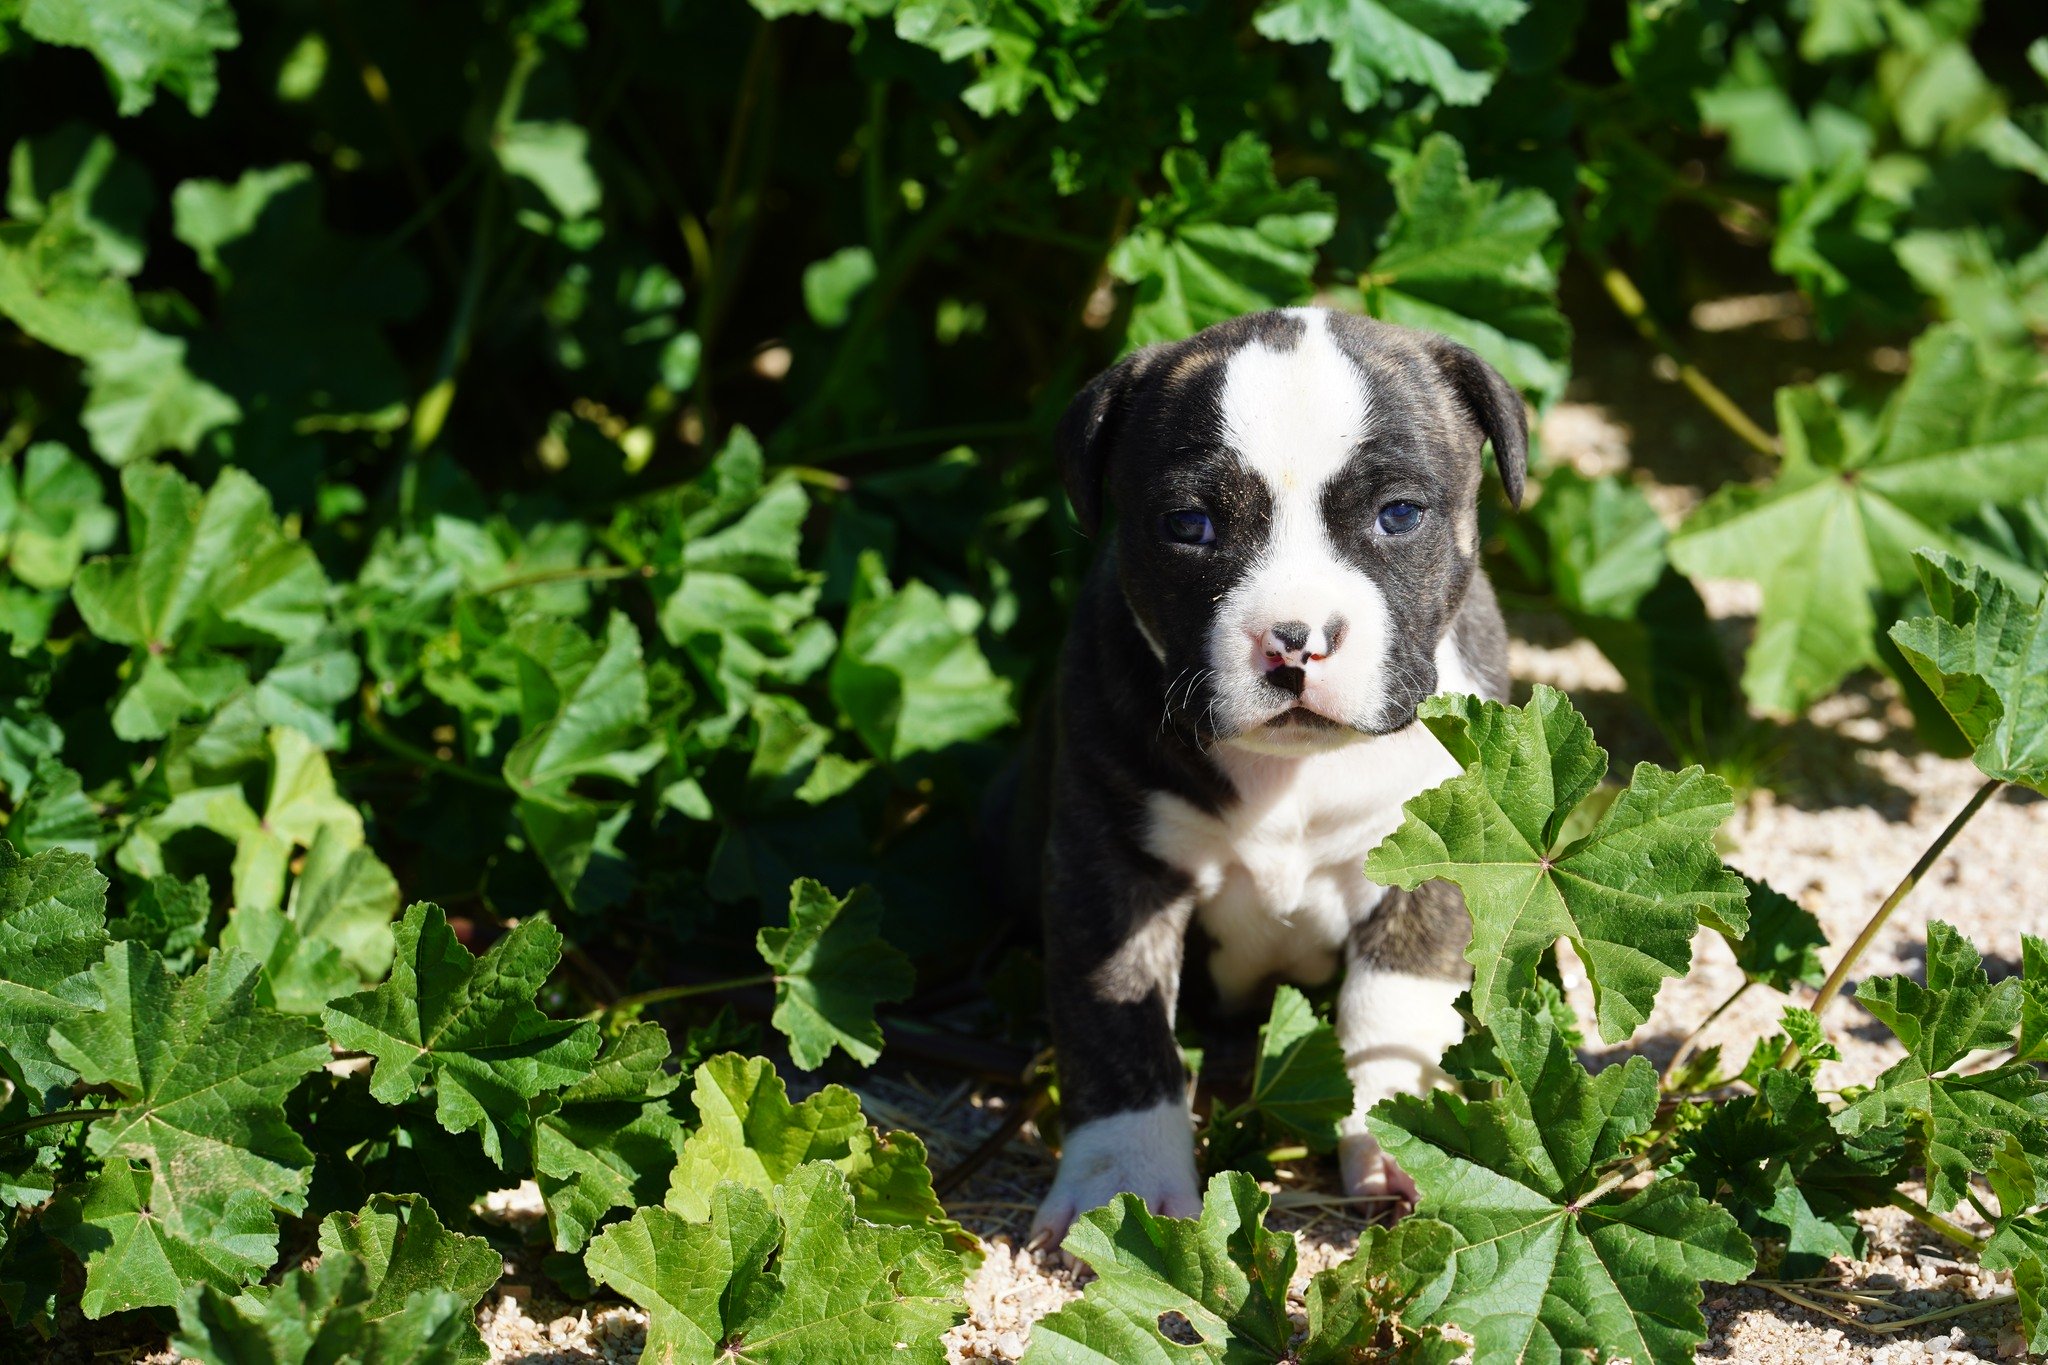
{"x": 1294, "y": 569}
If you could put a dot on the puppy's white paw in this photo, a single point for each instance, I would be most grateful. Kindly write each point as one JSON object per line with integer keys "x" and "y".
{"x": 1146, "y": 1152}
{"x": 1370, "y": 1173}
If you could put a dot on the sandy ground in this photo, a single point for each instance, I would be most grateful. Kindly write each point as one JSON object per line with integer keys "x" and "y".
{"x": 1850, "y": 804}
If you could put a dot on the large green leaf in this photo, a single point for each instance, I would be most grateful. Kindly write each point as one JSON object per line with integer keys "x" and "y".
{"x": 58, "y": 286}
{"x": 1452, "y": 47}
{"x": 1556, "y": 1253}
{"x": 1222, "y": 1280}
{"x": 469, "y": 1027}
{"x": 404, "y": 1251}
{"x": 832, "y": 967}
{"x": 143, "y": 44}
{"x": 53, "y": 912}
{"x": 1962, "y": 1118}
{"x": 137, "y": 1258}
{"x": 749, "y": 1132}
{"x": 910, "y": 675}
{"x": 1984, "y": 653}
{"x": 1210, "y": 248}
{"x": 201, "y": 1072}
{"x": 609, "y": 1141}
{"x": 1836, "y": 529}
{"x": 145, "y": 400}
{"x": 1466, "y": 259}
{"x": 1630, "y": 894}
{"x": 797, "y": 1280}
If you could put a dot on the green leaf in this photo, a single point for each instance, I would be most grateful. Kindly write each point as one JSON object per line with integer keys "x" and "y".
{"x": 910, "y": 674}
{"x": 609, "y": 1141}
{"x": 800, "y": 1279}
{"x": 2020, "y": 1244}
{"x": 1781, "y": 948}
{"x": 1630, "y": 894}
{"x": 831, "y": 285}
{"x": 205, "y": 570}
{"x": 135, "y": 1257}
{"x": 1961, "y": 1119}
{"x": 1223, "y": 1280}
{"x": 145, "y": 400}
{"x": 1453, "y": 48}
{"x": 1299, "y": 1084}
{"x": 201, "y": 1072}
{"x": 1836, "y": 529}
{"x": 52, "y": 516}
{"x": 832, "y": 967}
{"x": 111, "y": 194}
{"x": 302, "y": 805}
{"x": 1553, "y": 1255}
{"x": 584, "y": 711}
{"x": 169, "y": 917}
{"x": 402, "y": 1246}
{"x": 1210, "y": 248}
{"x": 553, "y": 157}
{"x": 468, "y": 1027}
{"x": 1984, "y": 653}
{"x": 300, "y": 975}
{"x": 749, "y": 1132}
{"x": 58, "y": 286}
{"x": 53, "y": 910}
{"x": 322, "y": 1314}
{"x": 56, "y": 813}
{"x": 143, "y": 44}
{"x": 1466, "y": 259}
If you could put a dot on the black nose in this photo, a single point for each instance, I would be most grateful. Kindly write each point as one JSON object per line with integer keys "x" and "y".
{"x": 1288, "y": 679}
{"x": 1292, "y": 634}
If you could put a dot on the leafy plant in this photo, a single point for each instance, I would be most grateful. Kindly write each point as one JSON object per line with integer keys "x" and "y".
{"x": 601, "y": 499}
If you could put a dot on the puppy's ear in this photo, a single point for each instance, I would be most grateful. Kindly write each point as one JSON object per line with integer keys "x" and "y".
{"x": 1089, "y": 429}
{"x": 1495, "y": 406}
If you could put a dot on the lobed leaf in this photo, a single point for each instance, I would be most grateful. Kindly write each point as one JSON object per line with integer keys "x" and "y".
{"x": 1630, "y": 894}
{"x": 1984, "y": 653}
{"x": 832, "y": 967}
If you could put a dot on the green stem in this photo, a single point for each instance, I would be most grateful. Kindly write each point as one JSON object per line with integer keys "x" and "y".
{"x": 589, "y": 573}
{"x": 52, "y": 1120}
{"x": 668, "y": 993}
{"x": 1712, "y": 396}
{"x": 1933, "y": 1221}
{"x": 727, "y": 210}
{"x": 874, "y": 190}
{"x": 406, "y": 749}
{"x": 430, "y": 413}
{"x": 1832, "y": 987}
{"x": 1685, "y": 1048}
{"x": 893, "y": 440}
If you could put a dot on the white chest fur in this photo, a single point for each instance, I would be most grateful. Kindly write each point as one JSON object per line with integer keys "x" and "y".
{"x": 1279, "y": 875}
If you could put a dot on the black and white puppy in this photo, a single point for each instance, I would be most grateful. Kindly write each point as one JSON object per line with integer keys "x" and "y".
{"x": 1293, "y": 571}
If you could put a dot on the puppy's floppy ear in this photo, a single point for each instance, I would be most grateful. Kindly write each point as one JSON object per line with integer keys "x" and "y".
{"x": 1089, "y": 429}
{"x": 1495, "y": 406}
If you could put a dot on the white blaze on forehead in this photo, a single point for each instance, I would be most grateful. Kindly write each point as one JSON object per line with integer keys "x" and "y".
{"x": 1294, "y": 417}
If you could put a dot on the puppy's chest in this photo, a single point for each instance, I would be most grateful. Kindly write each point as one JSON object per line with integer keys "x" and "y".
{"x": 1279, "y": 874}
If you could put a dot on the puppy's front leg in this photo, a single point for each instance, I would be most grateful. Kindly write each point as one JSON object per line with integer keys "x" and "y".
{"x": 1113, "y": 955}
{"x": 1404, "y": 969}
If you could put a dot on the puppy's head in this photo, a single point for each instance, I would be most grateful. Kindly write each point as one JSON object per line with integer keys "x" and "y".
{"x": 1296, "y": 498}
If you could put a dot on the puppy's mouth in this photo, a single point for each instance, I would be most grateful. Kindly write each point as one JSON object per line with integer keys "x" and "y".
{"x": 1301, "y": 718}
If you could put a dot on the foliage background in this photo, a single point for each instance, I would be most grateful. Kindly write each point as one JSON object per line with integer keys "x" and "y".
{"x": 593, "y": 458}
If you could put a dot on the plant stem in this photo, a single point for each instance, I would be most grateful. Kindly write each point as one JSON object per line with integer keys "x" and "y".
{"x": 723, "y": 252}
{"x": 1685, "y": 1048}
{"x": 665, "y": 994}
{"x": 1636, "y": 309}
{"x": 589, "y": 573}
{"x": 373, "y": 726}
{"x": 1933, "y": 1221}
{"x": 1832, "y": 987}
{"x": 430, "y": 413}
{"x": 892, "y": 440}
{"x": 52, "y": 1120}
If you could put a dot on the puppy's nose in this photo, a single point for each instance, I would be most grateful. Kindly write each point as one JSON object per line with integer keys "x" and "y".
{"x": 1296, "y": 644}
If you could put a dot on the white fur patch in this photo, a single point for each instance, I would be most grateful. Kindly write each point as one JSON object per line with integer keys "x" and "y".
{"x": 1393, "y": 1027}
{"x": 1146, "y": 1152}
{"x": 1278, "y": 873}
{"x": 1295, "y": 417}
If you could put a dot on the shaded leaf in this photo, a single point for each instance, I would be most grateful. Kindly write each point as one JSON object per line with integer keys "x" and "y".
{"x": 832, "y": 967}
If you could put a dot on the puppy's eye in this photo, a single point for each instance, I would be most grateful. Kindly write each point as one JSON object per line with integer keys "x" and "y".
{"x": 1399, "y": 518}
{"x": 1188, "y": 527}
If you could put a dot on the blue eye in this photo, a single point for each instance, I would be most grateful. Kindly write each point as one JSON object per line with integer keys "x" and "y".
{"x": 1399, "y": 518}
{"x": 1188, "y": 527}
